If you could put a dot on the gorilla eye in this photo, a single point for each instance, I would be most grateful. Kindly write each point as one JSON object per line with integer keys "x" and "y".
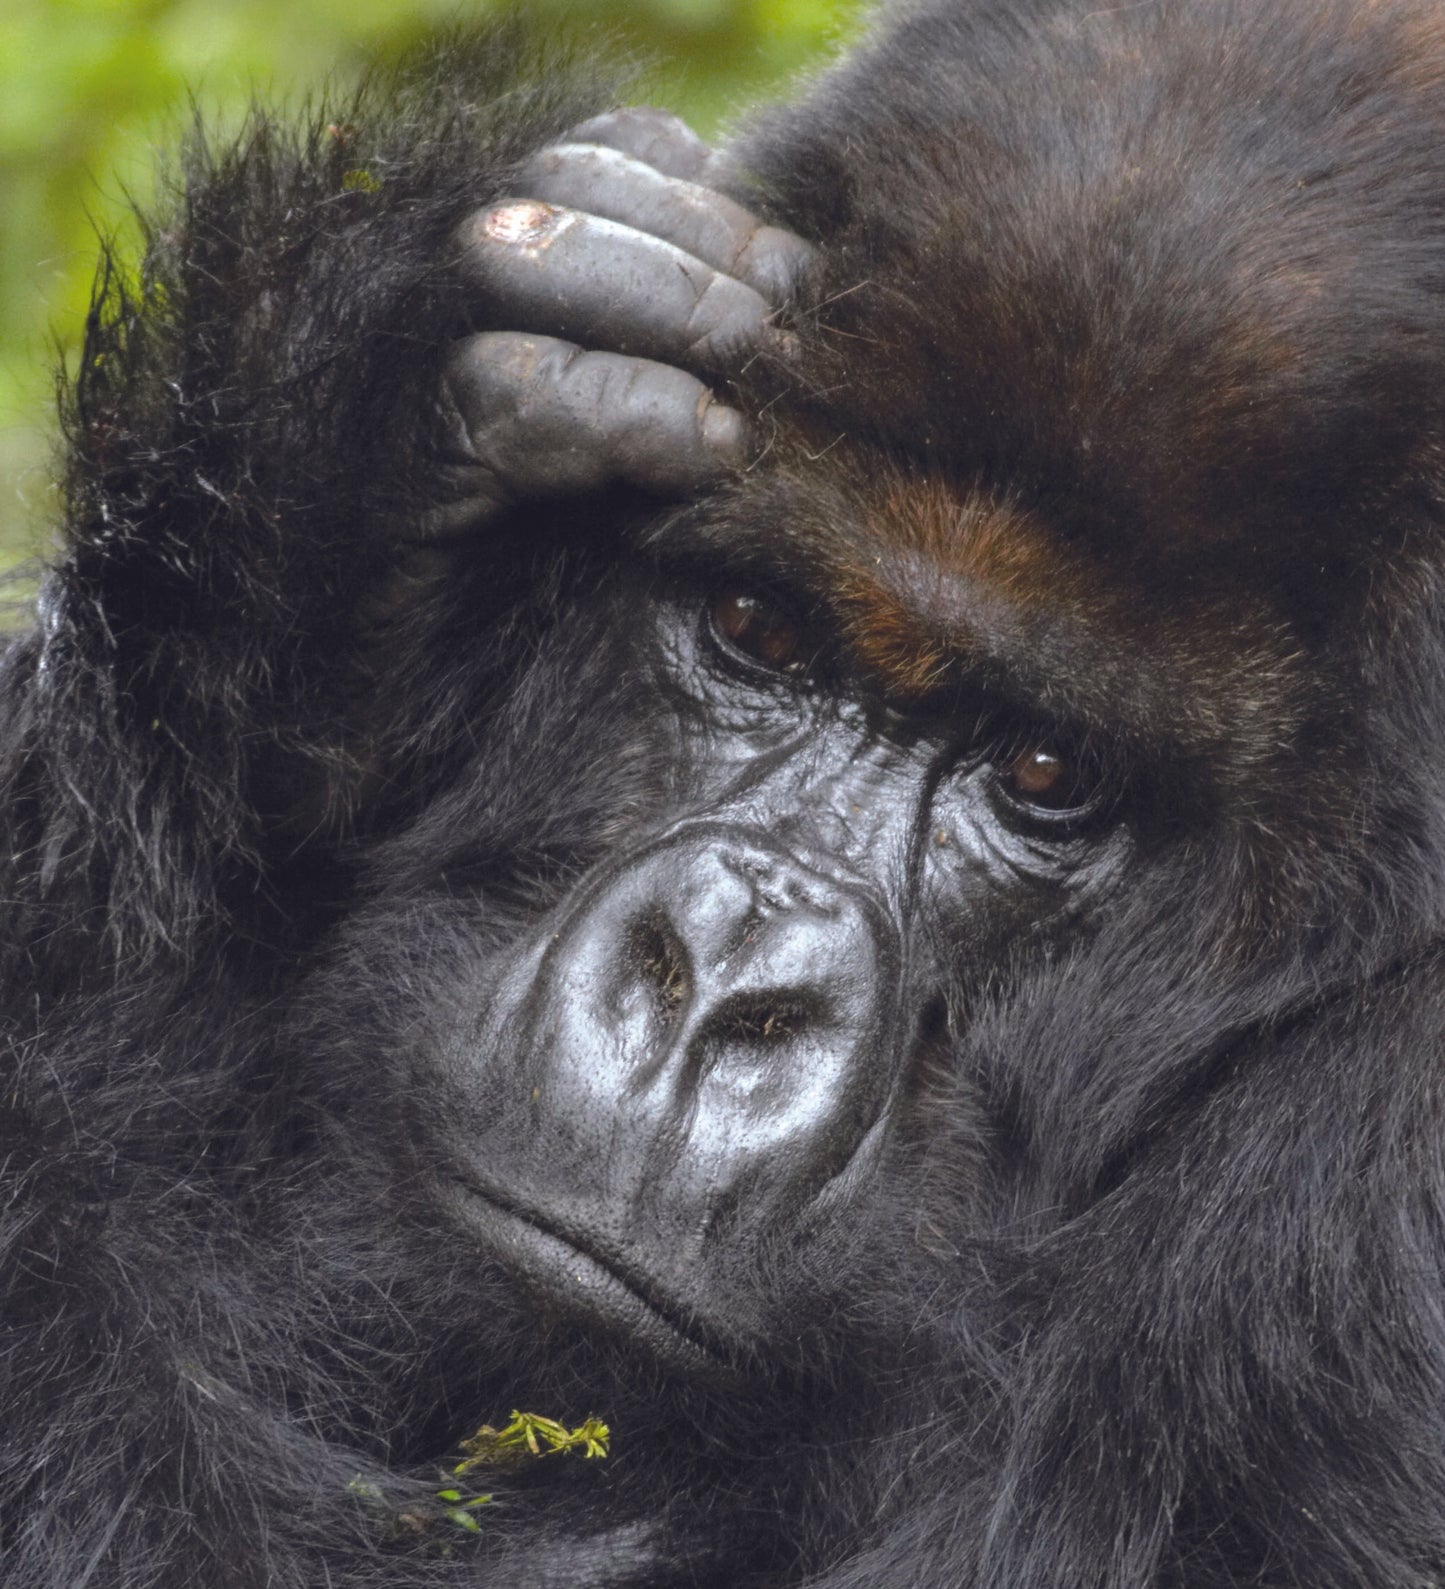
{"x": 1039, "y": 778}
{"x": 759, "y": 631}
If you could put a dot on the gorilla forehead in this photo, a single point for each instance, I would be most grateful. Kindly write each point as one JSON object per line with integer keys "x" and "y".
{"x": 1202, "y": 339}
{"x": 935, "y": 585}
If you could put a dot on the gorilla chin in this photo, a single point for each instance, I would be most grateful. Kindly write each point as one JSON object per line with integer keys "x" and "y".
{"x": 788, "y": 797}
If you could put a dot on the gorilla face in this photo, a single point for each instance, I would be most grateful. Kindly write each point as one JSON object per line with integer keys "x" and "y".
{"x": 667, "y": 1091}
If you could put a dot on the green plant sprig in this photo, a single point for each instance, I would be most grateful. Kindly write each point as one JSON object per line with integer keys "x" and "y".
{"x": 526, "y": 1437}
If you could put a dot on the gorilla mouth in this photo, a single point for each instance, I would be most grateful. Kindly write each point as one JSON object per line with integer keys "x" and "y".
{"x": 561, "y": 1269}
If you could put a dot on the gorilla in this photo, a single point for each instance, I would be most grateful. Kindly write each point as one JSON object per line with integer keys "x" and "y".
{"x": 790, "y": 800}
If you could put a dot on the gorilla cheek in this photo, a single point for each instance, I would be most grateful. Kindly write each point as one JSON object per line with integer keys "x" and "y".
{"x": 684, "y": 1073}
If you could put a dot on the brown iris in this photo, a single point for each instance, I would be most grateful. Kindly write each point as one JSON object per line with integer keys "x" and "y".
{"x": 759, "y": 630}
{"x": 1045, "y": 778}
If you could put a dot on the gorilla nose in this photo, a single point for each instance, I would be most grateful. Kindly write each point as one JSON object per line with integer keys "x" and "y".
{"x": 723, "y": 1003}
{"x": 744, "y": 954}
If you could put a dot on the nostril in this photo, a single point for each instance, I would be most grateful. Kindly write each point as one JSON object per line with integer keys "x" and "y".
{"x": 662, "y": 963}
{"x": 767, "y": 1020}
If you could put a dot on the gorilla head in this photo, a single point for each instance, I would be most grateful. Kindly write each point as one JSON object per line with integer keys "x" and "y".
{"x": 820, "y": 835}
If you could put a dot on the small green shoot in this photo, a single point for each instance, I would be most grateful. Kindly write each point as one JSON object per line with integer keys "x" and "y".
{"x": 528, "y": 1435}
{"x": 526, "y": 1438}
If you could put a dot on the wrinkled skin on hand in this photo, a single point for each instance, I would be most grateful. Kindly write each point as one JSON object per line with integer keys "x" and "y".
{"x": 632, "y": 284}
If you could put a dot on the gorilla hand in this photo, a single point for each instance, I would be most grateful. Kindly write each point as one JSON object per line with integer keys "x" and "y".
{"x": 630, "y": 283}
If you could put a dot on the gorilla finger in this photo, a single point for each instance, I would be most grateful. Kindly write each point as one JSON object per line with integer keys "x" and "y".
{"x": 546, "y": 419}
{"x": 657, "y": 138}
{"x": 604, "y": 285}
{"x": 701, "y": 222}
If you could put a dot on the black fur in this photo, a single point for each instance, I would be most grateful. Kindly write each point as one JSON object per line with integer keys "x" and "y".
{"x": 1151, "y": 1292}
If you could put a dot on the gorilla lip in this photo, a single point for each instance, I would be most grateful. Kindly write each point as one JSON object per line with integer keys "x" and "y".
{"x": 556, "y": 1263}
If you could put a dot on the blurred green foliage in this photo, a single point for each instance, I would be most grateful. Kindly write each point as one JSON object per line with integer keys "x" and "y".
{"x": 92, "y": 90}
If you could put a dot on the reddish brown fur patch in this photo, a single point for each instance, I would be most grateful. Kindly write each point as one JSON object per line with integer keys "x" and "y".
{"x": 932, "y": 582}
{"x": 936, "y": 553}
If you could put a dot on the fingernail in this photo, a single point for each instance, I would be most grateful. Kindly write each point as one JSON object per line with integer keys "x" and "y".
{"x": 726, "y": 434}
